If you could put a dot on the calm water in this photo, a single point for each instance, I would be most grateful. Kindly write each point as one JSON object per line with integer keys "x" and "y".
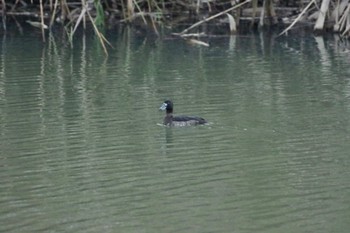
{"x": 81, "y": 148}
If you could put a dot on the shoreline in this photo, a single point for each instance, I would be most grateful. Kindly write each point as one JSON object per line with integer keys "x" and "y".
{"x": 255, "y": 13}
{"x": 227, "y": 17}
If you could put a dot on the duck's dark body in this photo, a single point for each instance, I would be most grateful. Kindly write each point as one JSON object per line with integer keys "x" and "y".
{"x": 170, "y": 120}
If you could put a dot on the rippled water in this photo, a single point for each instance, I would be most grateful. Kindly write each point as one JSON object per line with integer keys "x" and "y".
{"x": 82, "y": 149}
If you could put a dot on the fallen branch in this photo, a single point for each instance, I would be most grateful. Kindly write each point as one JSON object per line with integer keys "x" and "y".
{"x": 194, "y": 35}
{"x": 212, "y": 17}
{"x": 298, "y": 18}
{"x": 197, "y": 42}
{"x": 37, "y": 24}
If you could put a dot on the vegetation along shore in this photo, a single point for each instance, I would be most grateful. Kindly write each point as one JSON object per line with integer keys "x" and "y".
{"x": 231, "y": 15}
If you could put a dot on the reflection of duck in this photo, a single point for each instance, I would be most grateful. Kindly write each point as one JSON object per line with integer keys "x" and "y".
{"x": 171, "y": 120}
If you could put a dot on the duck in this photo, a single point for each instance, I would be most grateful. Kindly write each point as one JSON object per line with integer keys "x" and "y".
{"x": 170, "y": 120}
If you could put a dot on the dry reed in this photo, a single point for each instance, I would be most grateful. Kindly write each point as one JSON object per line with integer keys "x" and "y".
{"x": 77, "y": 13}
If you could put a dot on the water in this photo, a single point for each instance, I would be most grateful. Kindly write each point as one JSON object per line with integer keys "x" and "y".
{"x": 82, "y": 149}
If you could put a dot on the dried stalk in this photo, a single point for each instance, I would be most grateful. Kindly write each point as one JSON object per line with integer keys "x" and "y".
{"x": 342, "y": 20}
{"x": 102, "y": 39}
{"x": 232, "y": 22}
{"x": 123, "y": 9}
{"x": 54, "y": 13}
{"x": 322, "y": 15}
{"x": 347, "y": 21}
{"x": 262, "y": 15}
{"x": 85, "y": 5}
{"x": 255, "y": 7}
{"x": 139, "y": 9}
{"x": 3, "y": 13}
{"x": 64, "y": 10}
{"x": 81, "y": 16}
{"x": 42, "y": 20}
{"x": 130, "y": 8}
{"x": 338, "y": 11}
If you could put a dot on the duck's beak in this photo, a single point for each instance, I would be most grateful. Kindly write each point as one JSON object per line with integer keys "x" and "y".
{"x": 163, "y": 107}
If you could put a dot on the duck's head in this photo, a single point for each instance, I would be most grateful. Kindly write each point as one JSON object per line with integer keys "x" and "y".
{"x": 168, "y": 106}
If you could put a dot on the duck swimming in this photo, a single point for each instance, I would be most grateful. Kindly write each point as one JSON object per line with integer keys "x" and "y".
{"x": 170, "y": 120}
